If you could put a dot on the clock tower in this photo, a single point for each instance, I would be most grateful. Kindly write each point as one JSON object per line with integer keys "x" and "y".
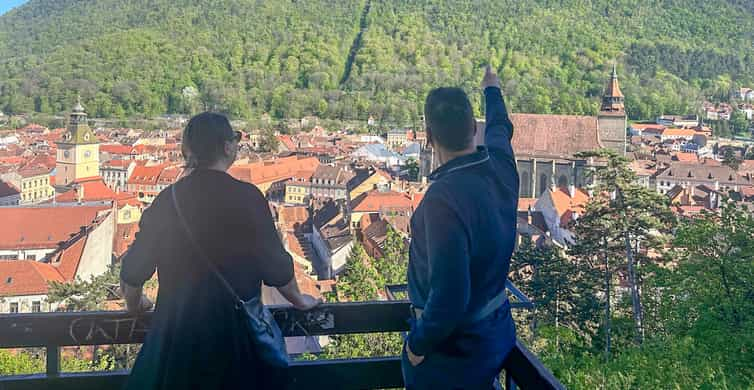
{"x": 78, "y": 151}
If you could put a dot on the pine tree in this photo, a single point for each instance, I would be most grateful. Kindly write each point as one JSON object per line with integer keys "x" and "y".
{"x": 86, "y": 295}
{"x": 621, "y": 220}
{"x": 561, "y": 287}
{"x": 394, "y": 262}
{"x": 360, "y": 281}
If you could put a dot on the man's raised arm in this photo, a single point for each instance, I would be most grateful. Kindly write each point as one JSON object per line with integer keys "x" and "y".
{"x": 498, "y": 126}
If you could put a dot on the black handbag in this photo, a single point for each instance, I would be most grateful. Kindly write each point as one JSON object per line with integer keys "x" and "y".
{"x": 255, "y": 317}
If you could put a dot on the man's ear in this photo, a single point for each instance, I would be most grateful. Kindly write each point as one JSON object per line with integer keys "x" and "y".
{"x": 228, "y": 149}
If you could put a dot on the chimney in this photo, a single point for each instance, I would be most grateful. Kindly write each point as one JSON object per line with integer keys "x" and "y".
{"x": 717, "y": 185}
{"x": 572, "y": 191}
{"x": 80, "y": 193}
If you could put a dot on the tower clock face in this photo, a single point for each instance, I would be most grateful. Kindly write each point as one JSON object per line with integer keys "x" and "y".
{"x": 66, "y": 154}
{"x": 87, "y": 154}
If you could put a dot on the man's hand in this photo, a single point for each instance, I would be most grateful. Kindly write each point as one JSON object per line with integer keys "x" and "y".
{"x": 490, "y": 79}
{"x": 414, "y": 359}
{"x": 307, "y": 302}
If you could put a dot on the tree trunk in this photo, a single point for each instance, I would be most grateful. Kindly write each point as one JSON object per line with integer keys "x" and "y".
{"x": 635, "y": 299}
{"x": 607, "y": 302}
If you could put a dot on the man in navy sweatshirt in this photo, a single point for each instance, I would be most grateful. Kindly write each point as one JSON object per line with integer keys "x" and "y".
{"x": 463, "y": 235}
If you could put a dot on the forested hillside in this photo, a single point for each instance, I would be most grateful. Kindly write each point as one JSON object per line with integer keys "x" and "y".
{"x": 348, "y": 59}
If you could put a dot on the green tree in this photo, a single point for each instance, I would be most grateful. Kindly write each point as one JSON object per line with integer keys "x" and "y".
{"x": 739, "y": 123}
{"x": 412, "y": 166}
{"x": 712, "y": 278}
{"x": 730, "y": 159}
{"x": 621, "y": 220}
{"x": 268, "y": 141}
{"x": 86, "y": 295}
{"x": 562, "y": 288}
{"x": 361, "y": 282}
{"x": 393, "y": 265}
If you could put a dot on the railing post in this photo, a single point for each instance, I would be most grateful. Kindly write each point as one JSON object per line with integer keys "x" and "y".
{"x": 53, "y": 361}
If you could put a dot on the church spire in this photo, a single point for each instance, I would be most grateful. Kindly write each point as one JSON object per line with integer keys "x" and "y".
{"x": 612, "y": 100}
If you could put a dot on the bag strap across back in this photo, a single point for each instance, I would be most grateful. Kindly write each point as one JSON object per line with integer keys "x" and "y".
{"x": 199, "y": 250}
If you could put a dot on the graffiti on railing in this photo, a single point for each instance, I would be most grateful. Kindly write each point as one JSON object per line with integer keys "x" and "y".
{"x": 85, "y": 329}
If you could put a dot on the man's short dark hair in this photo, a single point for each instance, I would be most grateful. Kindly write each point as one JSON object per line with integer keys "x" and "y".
{"x": 450, "y": 118}
{"x": 205, "y": 136}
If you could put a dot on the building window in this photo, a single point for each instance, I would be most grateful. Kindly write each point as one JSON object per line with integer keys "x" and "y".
{"x": 36, "y": 307}
{"x": 542, "y": 184}
{"x": 14, "y": 307}
{"x": 31, "y": 257}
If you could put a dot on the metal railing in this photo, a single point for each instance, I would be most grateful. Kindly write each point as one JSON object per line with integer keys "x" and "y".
{"x": 60, "y": 329}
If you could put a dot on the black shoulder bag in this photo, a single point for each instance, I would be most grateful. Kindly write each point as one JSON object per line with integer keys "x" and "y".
{"x": 257, "y": 319}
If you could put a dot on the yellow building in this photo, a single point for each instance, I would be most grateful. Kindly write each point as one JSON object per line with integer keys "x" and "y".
{"x": 34, "y": 184}
{"x": 297, "y": 192}
{"x": 78, "y": 152}
{"x": 377, "y": 180}
{"x": 128, "y": 213}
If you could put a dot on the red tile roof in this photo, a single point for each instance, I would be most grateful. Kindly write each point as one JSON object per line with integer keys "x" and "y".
{"x": 292, "y": 217}
{"x": 69, "y": 258}
{"x": 553, "y": 135}
{"x": 416, "y": 198}
{"x": 650, "y": 127}
{"x": 124, "y": 237}
{"x": 169, "y": 175}
{"x": 272, "y": 171}
{"x": 26, "y": 277}
{"x": 287, "y": 141}
{"x": 525, "y": 203}
{"x": 746, "y": 166}
{"x": 306, "y": 283}
{"x": 686, "y": 157}
{"x": 116, "y": 149}
{"x": 294, "y": 246}
{"x": 373, "y": 201}
{"x": 31, "y": 171}
{"x": 48, "y": 161}
{"x": 145, "y": 175}
{"x": 94, "y": 190}
{"x": 566, "y": 206}
{"x": 117, "y": 163}
{"x": 14, "y": 160}
{"x": 679, "y": 133}
{"x": 43, "y": 227}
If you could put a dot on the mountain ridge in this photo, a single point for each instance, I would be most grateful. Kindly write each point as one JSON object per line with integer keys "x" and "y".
{"x": 287, "y": 58}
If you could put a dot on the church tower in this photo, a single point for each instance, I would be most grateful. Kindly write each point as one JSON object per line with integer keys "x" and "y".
{"x": 78, "y": 152}
{"x": 612, "y": 117}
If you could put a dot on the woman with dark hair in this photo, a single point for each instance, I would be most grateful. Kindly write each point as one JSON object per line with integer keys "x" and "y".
{"x": 193, "y": 341}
